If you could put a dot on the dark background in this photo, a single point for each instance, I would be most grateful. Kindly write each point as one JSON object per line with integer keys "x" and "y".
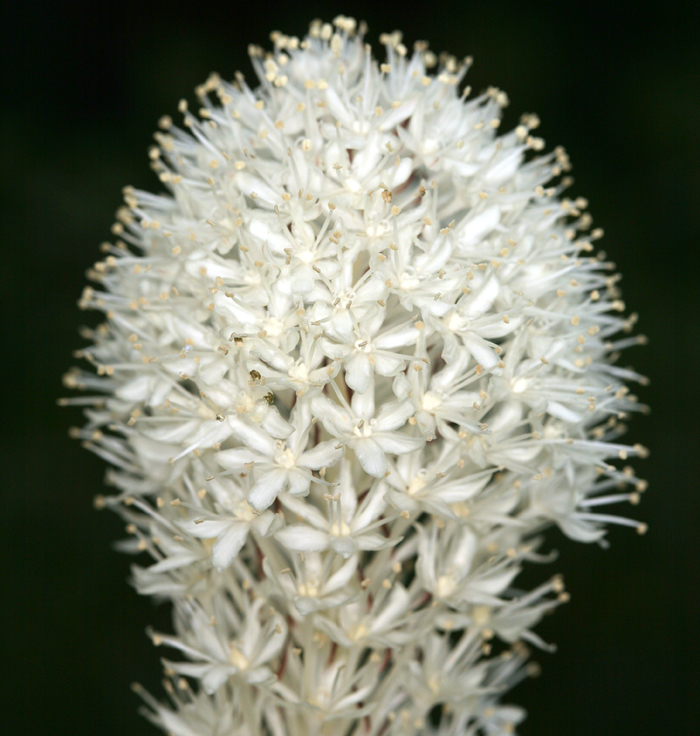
{"x": 83, "y": 87}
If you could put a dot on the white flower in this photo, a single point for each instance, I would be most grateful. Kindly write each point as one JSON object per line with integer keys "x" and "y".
{"x": 369, "y": 436}
{"x": 356, "y": 358}
{"x": 344, "y": 532}
{"x": 230, "y": 531}
{"x": 277, "y": 465}
{"x": 215, "y": 658}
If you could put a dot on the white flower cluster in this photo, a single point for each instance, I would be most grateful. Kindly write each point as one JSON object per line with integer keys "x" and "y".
{"x": 354, "y": 362}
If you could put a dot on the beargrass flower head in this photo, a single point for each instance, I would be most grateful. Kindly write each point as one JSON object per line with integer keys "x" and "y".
{"x": 357, "y": 356}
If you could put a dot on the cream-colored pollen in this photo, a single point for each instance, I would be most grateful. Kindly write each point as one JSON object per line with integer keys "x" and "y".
{"x": 445, "y": 586}
{"x": 236, "y": 657}
{"x": 431, "y": 401}
{"x": 339, "y": 529}
{"x": 285, "y": 458}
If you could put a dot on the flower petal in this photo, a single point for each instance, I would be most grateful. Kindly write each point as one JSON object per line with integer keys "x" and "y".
{"x": 397, "y": 443}
{"x": 394, "y": 415}
{"x": 302, "y": 538}
{"x": 238, "y": 457}
{"x": 370, "y": 456}
{"x": 275, "y": 425}
{"x": 299, "y": 482}
{"x": 481, "y": 350}
{"x": 216, "y": 677}
{"x": 324, "y": 454}
{"x": 344, "y": 546}
{"x": 387, "y": 365}
{"x": 254, "y": 437}
{"x": 306, "y": 511}
{"x": 358, "y": 370}
{"x": 342, "y": 576}
{"x": 267, "y": 488}
{"x": 478, "y": 226}
{"x": 266, "y": 523}
{"x": 229, "y": 545}
{"x": 335, "y": 418}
